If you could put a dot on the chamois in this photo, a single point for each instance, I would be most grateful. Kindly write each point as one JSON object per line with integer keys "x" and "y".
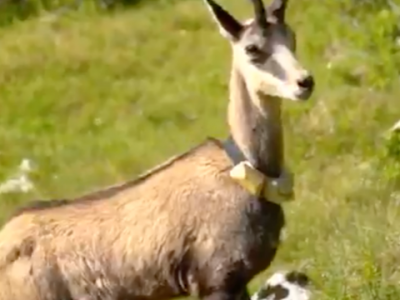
{"x": 185, "y": 227}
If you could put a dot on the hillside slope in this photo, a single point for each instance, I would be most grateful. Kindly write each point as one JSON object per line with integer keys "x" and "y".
{"x": 93, "y": 98}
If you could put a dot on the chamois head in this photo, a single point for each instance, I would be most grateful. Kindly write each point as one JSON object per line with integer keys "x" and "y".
{"x": 264, "y": 51}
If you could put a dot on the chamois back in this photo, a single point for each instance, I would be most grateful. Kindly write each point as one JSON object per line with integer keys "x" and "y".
{"x": 110, "y": 191}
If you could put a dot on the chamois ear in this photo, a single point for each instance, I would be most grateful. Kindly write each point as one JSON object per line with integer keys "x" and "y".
{"x": 277, "y": 9}
{"x": 229, "y": 27}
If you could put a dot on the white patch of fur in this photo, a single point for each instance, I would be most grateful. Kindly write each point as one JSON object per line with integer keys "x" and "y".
{"x": 295, "y": 292}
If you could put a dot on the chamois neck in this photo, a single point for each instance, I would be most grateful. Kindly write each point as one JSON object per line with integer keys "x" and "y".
{"x": 256, "y": 126}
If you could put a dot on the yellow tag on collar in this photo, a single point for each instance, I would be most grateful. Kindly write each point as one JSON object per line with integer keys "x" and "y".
{"x": 258, "y": 184}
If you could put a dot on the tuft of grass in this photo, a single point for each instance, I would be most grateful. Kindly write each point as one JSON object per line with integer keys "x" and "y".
{"x": 94, "y": 97}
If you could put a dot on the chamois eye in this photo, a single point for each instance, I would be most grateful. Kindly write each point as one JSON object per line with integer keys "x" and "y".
{"x": 253, "y": 50}
{"x": 256, "y": 54}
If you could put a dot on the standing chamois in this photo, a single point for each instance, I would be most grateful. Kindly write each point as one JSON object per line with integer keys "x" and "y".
{"x": 186, "y": 227}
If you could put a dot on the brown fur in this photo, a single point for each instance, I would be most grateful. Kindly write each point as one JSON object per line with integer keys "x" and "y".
{"x": 174, "y": 232}
{"x": 102, "y": 193}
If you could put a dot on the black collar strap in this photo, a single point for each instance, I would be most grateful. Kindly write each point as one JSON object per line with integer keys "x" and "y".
{"x": 236, "y": 156}
{"x": 233, "y": 151}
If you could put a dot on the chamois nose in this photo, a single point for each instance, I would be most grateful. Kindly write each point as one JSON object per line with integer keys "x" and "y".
{"x": 306, "y": 82}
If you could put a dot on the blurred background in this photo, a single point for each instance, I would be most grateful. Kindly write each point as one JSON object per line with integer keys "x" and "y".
{"x": 95, "y": 92}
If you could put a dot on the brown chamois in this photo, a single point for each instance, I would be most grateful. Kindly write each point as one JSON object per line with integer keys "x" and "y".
{"x": 185, "y": 227}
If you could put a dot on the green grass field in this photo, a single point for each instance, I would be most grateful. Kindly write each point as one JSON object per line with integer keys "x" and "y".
{"x": 93, "y": 98}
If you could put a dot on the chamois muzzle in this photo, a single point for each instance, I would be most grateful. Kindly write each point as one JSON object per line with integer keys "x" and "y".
{"x": 306, "y": 86}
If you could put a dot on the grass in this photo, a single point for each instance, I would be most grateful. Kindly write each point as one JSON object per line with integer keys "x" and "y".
{"x": 95, "y": 97}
